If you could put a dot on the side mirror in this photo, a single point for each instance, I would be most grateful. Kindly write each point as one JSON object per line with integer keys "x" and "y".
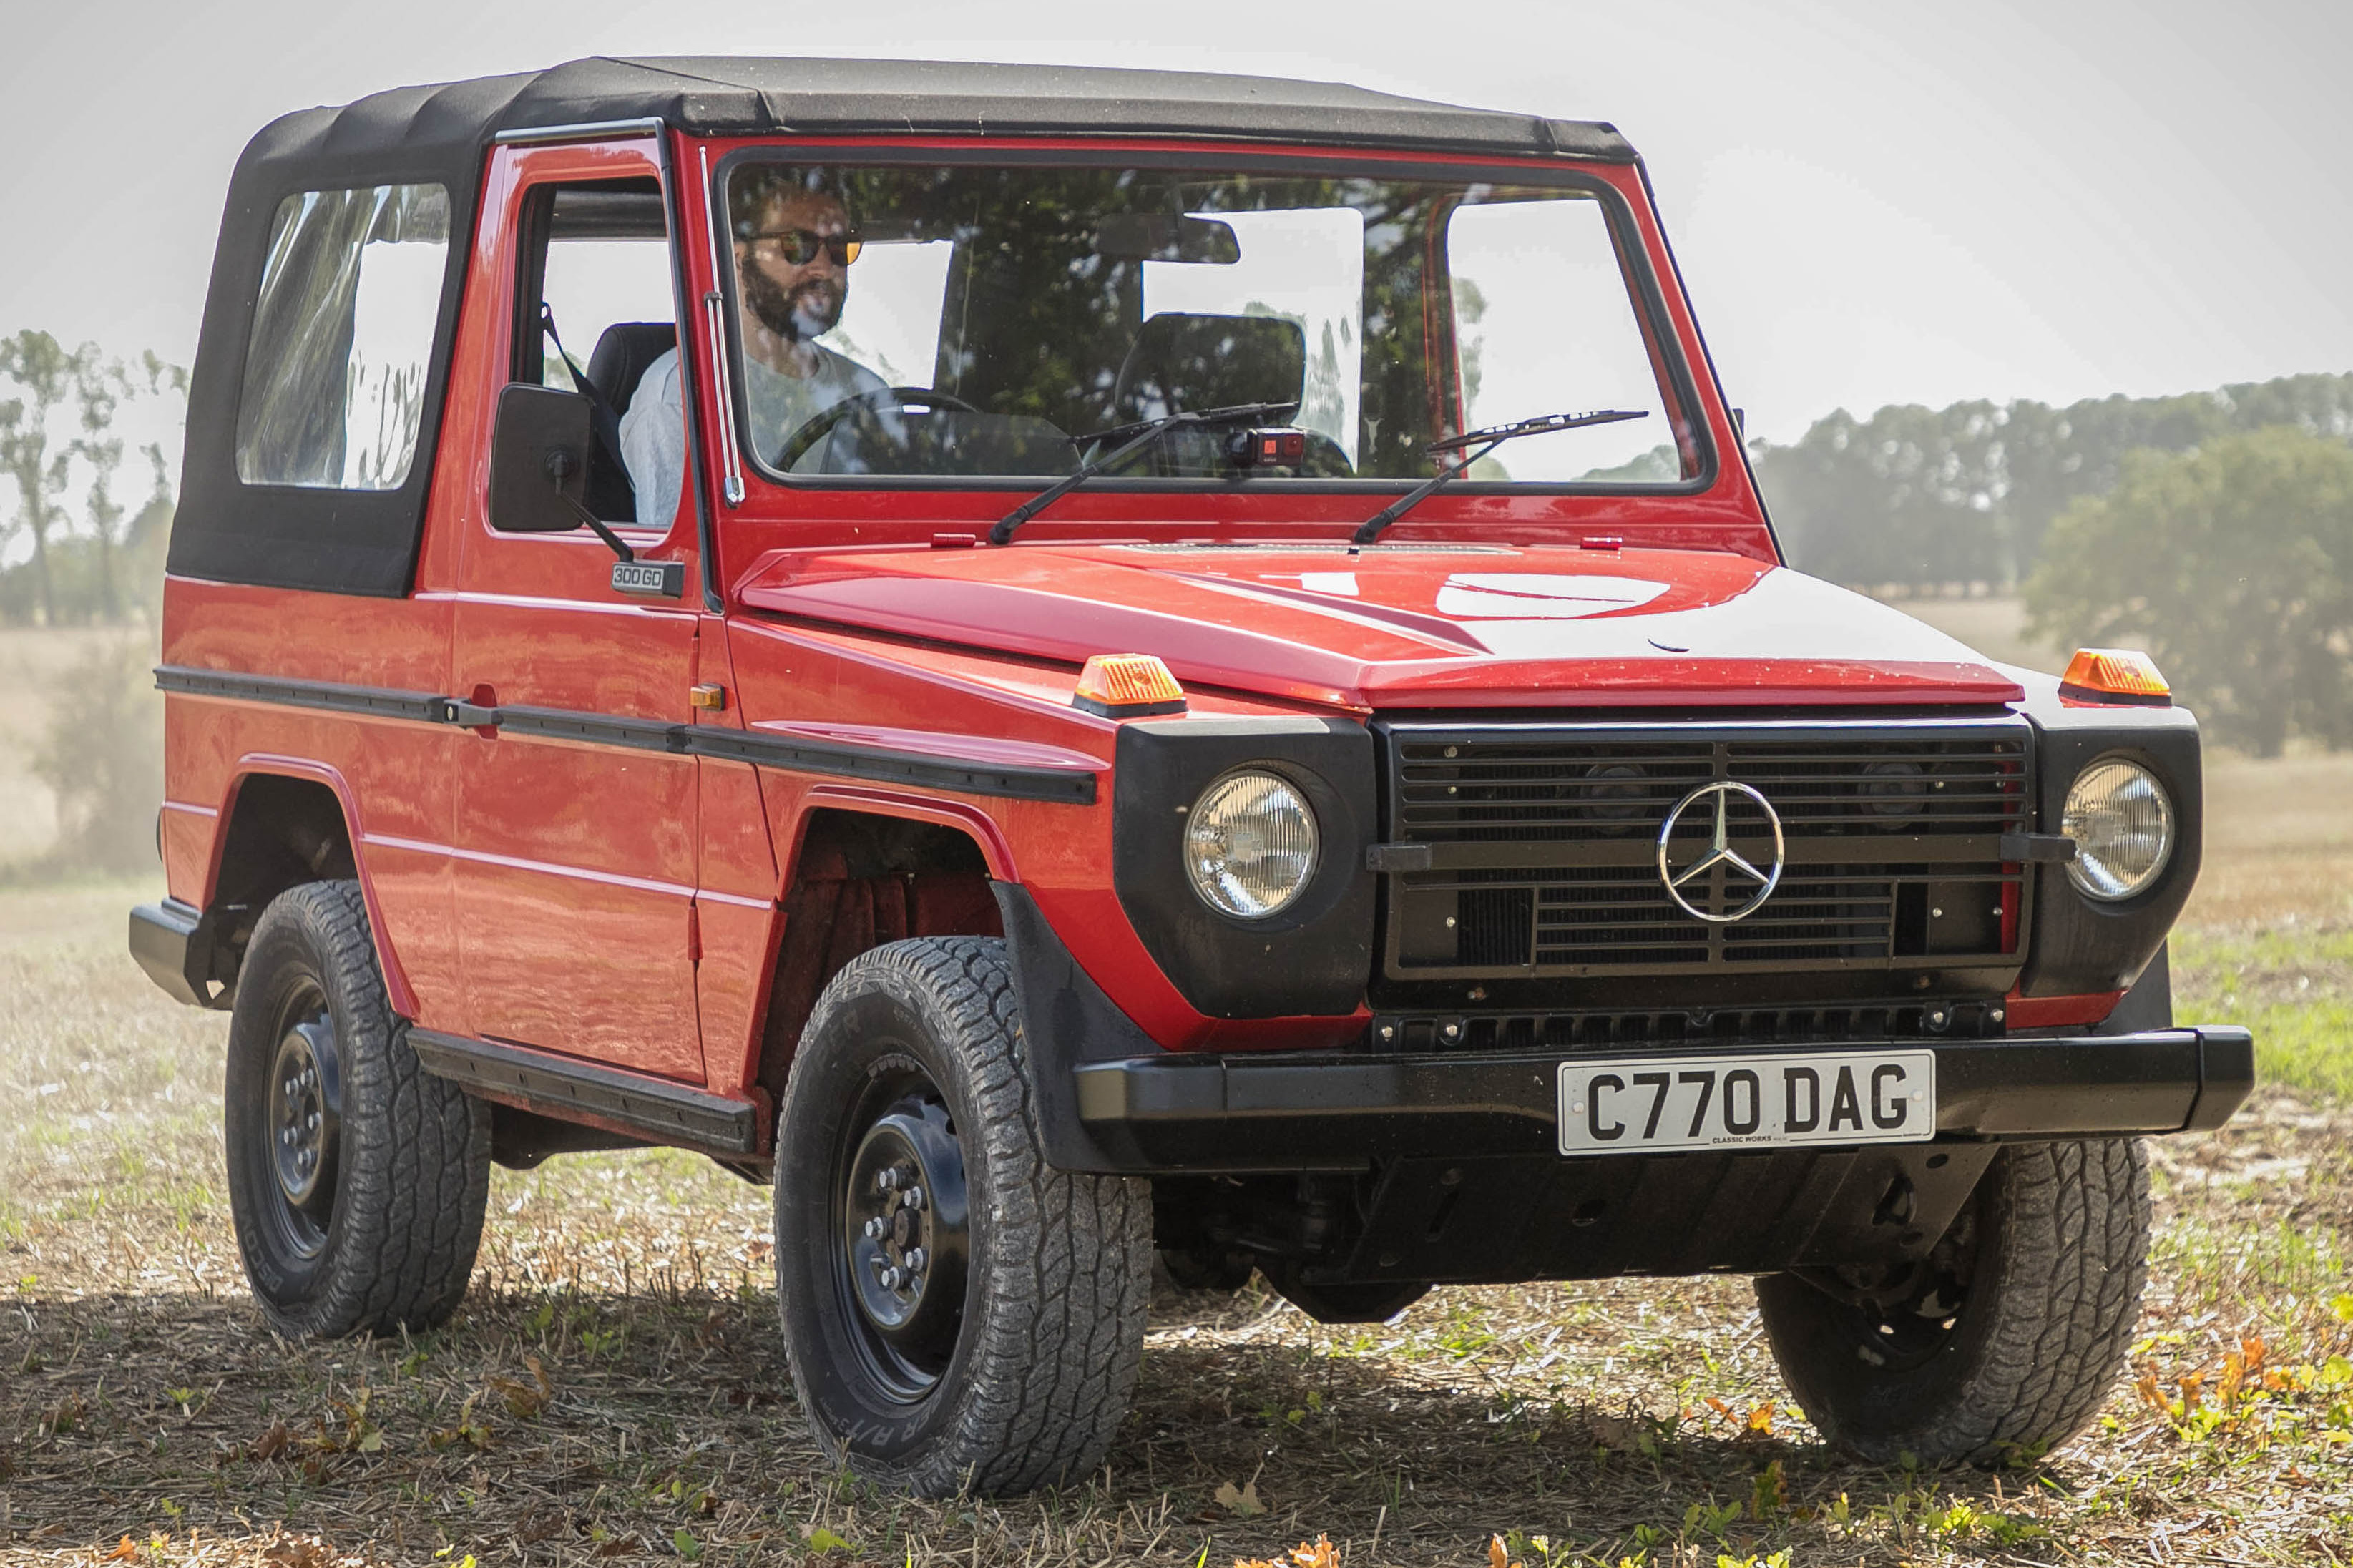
{"x": 539, "y": 460}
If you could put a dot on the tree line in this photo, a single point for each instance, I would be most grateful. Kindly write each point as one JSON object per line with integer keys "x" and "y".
{"x": 82, "y": 541}
{"x": 1913, "y": 496}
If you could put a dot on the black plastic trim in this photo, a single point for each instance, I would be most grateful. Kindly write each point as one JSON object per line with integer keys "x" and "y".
{"x": 1315, "y": 956}
{"x": 1068, "y": 1021}
{"x": 1276, "y": 1111}
{"x": 173, "y": 942}
{"x": 1058, "y": 785}
{"x": 556, "y": 1086}
{"x": 2081, "y": 945}
{"x": 376, "y": 701}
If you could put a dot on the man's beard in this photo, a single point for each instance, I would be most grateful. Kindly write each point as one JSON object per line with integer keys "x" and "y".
{"x": 808, "y": 311}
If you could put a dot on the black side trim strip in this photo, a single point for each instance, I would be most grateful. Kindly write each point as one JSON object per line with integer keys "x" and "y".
{"x": 1074, "y": 787}
{"x": 594, "y": 729}
{"x": 1068, "y": 786}
{"x": 381, "y": 702}
{"x": 669, "y": 1111}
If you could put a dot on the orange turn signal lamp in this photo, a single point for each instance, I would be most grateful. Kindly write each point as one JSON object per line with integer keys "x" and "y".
{"x": 1127, "y": 685}
{"x": 2115, "y": 675}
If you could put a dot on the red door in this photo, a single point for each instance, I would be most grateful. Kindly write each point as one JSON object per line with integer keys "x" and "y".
{"x": 575, "y": 821}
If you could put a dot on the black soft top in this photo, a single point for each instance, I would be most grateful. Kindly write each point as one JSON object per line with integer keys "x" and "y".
{"x": 729, "y": 95}
{"x": 352, "y": 542}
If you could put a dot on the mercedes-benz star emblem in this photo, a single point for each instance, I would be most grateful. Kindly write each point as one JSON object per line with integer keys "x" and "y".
{"x": 1721, "y": 854}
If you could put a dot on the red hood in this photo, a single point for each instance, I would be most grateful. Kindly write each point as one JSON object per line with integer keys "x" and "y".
{"x": 1405, "y": 625}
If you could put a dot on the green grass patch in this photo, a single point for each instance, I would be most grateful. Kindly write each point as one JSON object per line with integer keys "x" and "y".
{"x": 2293, "y": 987}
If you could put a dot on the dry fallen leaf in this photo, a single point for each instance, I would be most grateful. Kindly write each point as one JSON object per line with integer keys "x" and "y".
{"x": 126, "y": 1552}
{"x": 1498, "y": 1556}
{"x": 1243, "y": 1502}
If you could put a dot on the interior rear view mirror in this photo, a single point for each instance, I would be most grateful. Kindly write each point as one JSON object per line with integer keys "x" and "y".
{"x": 539, "y": 460}
{"x": 1167, "y": 236}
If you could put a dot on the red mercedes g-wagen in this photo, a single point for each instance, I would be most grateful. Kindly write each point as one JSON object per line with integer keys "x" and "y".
{"x": 1096, "y": 662}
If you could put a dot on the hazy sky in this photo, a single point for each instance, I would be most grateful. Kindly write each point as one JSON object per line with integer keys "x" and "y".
{"x": 1875, "y": 203}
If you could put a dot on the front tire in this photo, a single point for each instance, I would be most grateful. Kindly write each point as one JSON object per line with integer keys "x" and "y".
{"x": 957, "y": 1314}
{"x": 356, "y": 1180}
{"x": 2006, "y": 1343}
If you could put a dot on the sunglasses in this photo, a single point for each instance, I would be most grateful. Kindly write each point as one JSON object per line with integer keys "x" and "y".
{"x": 799, "y": 247}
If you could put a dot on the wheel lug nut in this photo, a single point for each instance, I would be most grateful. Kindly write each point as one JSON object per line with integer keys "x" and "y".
{"x": 891, "y": 1278}
{"x": 887, "y": 1179}
{"x": 916, "y": 1260}
{"x": 874, "y": 1227}
{"x": 915, "y": 1198}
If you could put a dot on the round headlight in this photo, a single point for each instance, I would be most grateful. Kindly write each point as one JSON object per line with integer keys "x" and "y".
{"x": 1250, "y": 843}
{"x": 2122, "y": 824}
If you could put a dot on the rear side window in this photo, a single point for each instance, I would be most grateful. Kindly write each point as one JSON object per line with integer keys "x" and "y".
{"x": 342, "y": 337}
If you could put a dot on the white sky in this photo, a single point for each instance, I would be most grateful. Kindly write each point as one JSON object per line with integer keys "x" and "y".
{"x": 1873, "y": 203}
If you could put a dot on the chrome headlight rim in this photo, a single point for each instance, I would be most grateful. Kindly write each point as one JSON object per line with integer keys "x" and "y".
{"x": 1227, "y": 896}
{"x": 2095, "y": 872}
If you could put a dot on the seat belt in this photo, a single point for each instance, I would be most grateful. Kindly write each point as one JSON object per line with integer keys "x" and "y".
{"x": 608, "y": 420}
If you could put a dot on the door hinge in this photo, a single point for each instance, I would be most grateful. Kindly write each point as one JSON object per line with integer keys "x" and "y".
{"x": 693, "y": 933}
{"x": 711, "y": 699}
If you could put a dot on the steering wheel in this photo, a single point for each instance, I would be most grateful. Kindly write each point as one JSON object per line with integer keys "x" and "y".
{"x": 817, "y": 427}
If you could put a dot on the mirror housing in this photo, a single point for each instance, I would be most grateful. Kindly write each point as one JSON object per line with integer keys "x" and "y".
{"x": 540, "y": 444}
{"x": 1167, "y": 236}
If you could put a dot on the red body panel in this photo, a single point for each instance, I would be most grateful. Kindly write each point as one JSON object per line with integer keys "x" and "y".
{"x": 624, "y": 904}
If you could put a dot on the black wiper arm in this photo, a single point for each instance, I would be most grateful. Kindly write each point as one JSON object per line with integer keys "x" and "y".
{"x": 1486, "y": 440}
{"x": 1139, "y": 435}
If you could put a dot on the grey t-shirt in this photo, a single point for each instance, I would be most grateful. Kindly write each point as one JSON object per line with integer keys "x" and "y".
{"x": 653, "y": 430}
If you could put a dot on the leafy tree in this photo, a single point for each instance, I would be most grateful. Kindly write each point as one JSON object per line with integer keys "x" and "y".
{"x": 46, "y": 376}
{"x": 1965, "y": 493}
{"x": 2233, "y": 566}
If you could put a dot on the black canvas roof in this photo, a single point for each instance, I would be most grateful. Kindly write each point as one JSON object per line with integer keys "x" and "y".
{"x": 352, "y": 542}
{"x": 752, "y": 96}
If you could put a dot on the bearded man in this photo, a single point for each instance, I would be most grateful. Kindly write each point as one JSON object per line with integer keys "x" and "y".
{"x": 794, "y": 245}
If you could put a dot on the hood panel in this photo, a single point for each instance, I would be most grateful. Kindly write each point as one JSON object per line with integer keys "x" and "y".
{"x": 1409, "y": 625}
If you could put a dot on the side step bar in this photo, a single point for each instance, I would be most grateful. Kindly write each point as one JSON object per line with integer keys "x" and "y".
{"x": 562, "y": 1087}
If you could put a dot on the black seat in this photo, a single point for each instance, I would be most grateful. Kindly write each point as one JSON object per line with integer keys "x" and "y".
{"x": 624, "y": 352}
{"x": 619, "y": 364}
{"x": 1182, "y": 361}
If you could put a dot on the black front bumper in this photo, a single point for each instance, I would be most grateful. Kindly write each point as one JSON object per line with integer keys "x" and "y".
{"x": 1240, "y": 1114}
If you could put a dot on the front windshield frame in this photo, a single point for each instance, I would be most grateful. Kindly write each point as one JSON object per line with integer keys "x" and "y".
{"x": 1686, "y": 414}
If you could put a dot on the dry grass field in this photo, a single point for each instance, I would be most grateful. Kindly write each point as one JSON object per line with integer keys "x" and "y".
{"x": 613, "y": 1391}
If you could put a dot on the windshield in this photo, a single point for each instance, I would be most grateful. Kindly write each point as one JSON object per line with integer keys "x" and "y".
{"x": 975, "y": 322}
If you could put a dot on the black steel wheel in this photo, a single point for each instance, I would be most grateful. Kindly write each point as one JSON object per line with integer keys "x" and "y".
{"x": 2004, "y": 1340}
{"x": 957, "y": 1314}
{"x": 356, "y": 1180}
{"x": 302, "y": 1125}
{"x": 905, "y": 1233}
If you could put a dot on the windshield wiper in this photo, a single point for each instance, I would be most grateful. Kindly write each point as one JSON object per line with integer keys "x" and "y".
{"x": 1139, "y": 435}
{"x": 1486, "y": 440}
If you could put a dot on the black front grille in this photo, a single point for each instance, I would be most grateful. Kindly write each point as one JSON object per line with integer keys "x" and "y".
{"x": 1543, "y": 846}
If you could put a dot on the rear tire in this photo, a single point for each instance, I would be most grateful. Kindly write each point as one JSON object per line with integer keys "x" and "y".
{"x": 957, "y": 1314}
{"x": 2047, "y": 1261}
{"x": 356, "y": 1179}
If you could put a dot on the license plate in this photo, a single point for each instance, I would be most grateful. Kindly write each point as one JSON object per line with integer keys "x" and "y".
{"x": 1617, "y": 1105}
